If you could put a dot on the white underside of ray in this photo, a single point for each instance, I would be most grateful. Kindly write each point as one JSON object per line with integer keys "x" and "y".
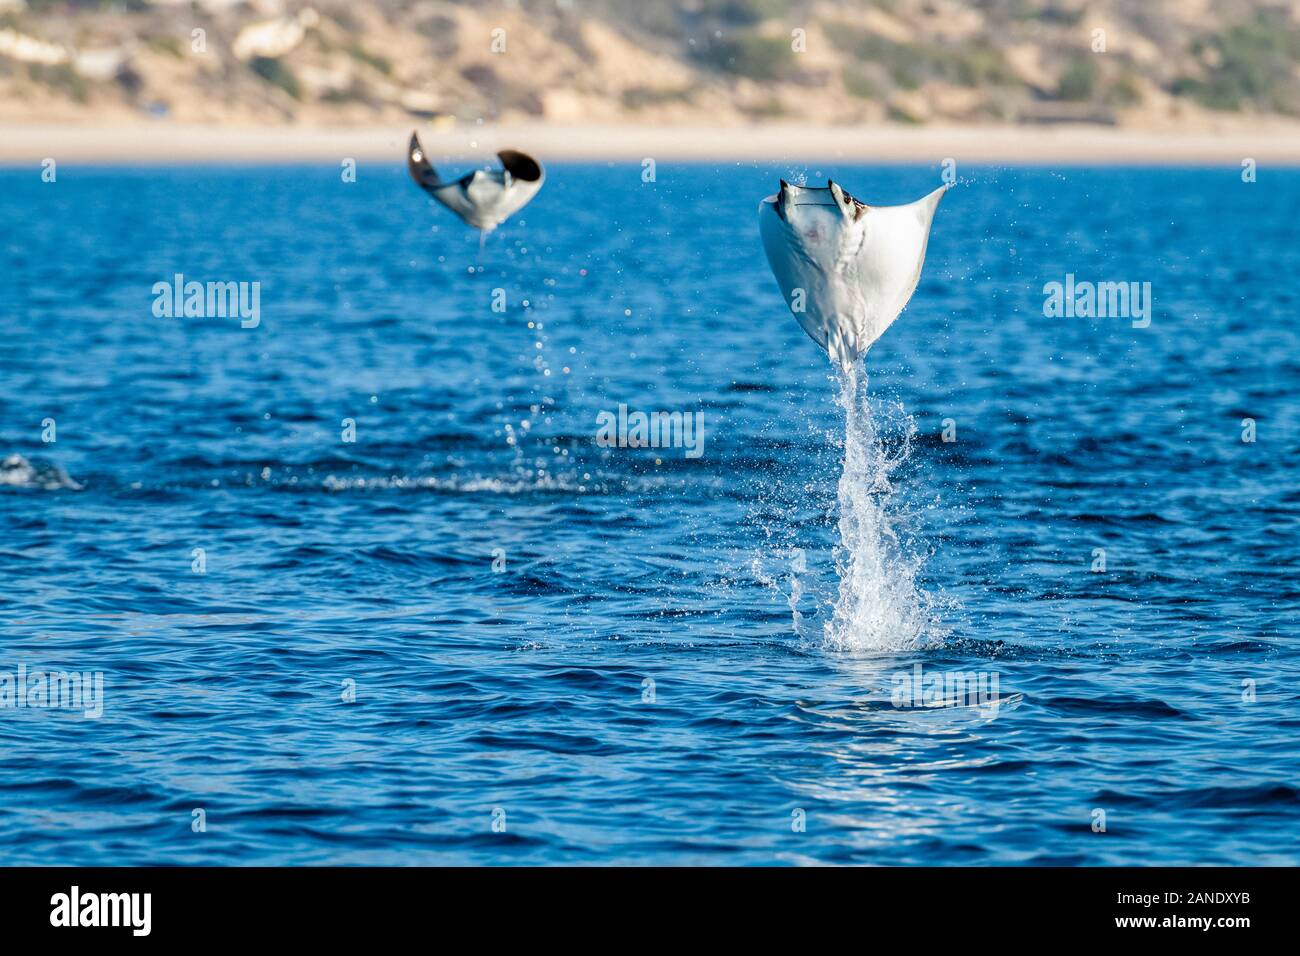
{"x": 487, "y": 198}
{"x": 846, "y": 270}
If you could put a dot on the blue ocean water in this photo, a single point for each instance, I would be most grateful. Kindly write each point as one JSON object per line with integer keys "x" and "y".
{"x": 475, "y": 636}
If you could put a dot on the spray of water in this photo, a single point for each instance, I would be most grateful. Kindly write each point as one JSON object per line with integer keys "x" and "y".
{"x": 879, "y": 606}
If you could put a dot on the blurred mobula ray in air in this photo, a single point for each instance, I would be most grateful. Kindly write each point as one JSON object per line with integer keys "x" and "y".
{"x": 846, "y": 269}
{"x": 484, "y": 198}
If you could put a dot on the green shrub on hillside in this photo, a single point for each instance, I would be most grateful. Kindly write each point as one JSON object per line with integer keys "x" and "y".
{"x": 164, "y": 43}
{"x": 1255, "y": 65}
{"x": 911, "y": 64}
{"x": 743, "y": 12}
{"x": 639, "y": 97}
{"x": 860, "y": 85}
{"x": 751, "y": 55}
{"x": 1124, "y": 92}
{"x": 1078, "y": 80}
{"x": 277, "y": 74}
{"x": 380, "y": 63}
{"x": 61, "y": 77}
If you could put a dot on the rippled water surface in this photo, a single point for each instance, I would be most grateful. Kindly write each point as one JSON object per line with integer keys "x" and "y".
{"x": 632, "y": 655}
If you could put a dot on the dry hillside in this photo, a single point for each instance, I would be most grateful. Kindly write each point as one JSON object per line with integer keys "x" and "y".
{"x": 1127, "y": 62}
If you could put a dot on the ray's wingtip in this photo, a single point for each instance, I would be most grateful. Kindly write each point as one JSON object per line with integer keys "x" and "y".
{"x": 521, "y": 165}
{"x": 418, "y": 165}
{"x": 935, "y": 195}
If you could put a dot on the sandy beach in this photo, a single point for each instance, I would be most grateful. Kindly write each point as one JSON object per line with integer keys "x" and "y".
{"x": 169, "y": 143}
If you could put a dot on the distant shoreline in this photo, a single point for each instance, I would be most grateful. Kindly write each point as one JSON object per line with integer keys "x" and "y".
{"x": 1267, "y": 142}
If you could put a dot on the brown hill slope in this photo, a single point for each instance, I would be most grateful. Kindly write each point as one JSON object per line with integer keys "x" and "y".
{"x": 1149, "y": 63}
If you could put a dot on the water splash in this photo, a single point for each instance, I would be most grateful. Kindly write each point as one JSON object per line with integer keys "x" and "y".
{"x": 798, "y": 567}
{"x": 879, "y": 606}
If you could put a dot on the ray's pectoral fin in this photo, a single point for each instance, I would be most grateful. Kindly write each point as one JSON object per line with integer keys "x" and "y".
{"x": 421, "y": 170}
{"x": 520, "y": 166}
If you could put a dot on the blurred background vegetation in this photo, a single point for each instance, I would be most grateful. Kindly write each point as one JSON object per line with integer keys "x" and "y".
{"x": 1180, "y": 62}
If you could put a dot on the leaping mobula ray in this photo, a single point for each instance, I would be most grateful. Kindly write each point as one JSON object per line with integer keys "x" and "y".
{"x": 846, "y": 269}
{"x": 484, "y": 198}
